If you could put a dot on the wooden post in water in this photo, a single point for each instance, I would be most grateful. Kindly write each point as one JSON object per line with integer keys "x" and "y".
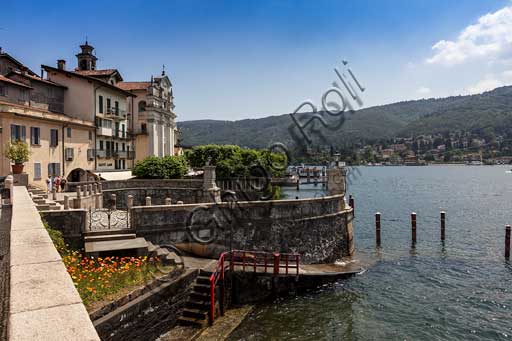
{"x": 377, "y": 228}
{"x": 351, "y": 202}
{"x": 507, "y": 241}
{"x": 443, "y": 224}
{"x": 413, "y": 227}
{"x": 298, "y": 183}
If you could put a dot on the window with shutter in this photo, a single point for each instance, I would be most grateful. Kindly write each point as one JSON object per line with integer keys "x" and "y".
{"x": 35, "y": 135}
{"x": 37, "y": 170}
{"x": 54, "y": 137}
{"x": 18, "y": 133}
{"x": 100, "y": 104}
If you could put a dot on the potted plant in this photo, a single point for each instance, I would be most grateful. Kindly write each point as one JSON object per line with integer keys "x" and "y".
{"x": 18, "y": 153}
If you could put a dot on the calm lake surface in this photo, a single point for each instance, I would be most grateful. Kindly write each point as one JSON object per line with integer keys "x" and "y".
{"x": 459, "y": 290}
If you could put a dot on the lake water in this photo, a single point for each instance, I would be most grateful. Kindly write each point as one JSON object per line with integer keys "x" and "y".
{"x": 461, "y": 289}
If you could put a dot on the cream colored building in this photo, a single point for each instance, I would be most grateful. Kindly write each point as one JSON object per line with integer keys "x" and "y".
{"x": 154, "y": 121}
{"x": 94, "y": 95}
{"x": 32, "y": 110}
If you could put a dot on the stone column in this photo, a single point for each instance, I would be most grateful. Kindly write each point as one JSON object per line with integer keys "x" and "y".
{"x": 148, "y": 201}
{"x": 54, "y": 194}
{"x": 90, "y": 189}
{"x": 211, "y": 193}
{"x": 95, "y": 188}
{"x": 100, "y": 187}
{"x": 336, "y": 182}
{"x": 66, "y": 202}
{"x": 78, "y": 191}
{"x": 168, "y": 201}
{"x": 129, "y": 201}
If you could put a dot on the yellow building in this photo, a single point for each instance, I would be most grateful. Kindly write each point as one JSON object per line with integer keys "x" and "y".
{"x": 31, "y": 110}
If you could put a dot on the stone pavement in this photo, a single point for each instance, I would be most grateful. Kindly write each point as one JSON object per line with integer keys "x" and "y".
{"x": 44, "y": 303}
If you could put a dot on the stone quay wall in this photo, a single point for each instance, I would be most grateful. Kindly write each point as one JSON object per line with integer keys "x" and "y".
{"x": 320, "y": 229}
{"x": 43, "y": 302}
{"x": 72, "y": 223}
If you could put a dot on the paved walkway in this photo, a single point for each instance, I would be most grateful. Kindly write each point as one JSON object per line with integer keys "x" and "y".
{"x": 44, "y": 303}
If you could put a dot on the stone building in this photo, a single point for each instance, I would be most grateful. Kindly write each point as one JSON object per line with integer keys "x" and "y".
{"x": 154, "y": 121}
{"x": 32, "y": 110}
{"x": 94, "y": 95}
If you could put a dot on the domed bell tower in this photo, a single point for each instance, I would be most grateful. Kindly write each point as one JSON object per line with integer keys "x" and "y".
{"x": 86, "y": 60}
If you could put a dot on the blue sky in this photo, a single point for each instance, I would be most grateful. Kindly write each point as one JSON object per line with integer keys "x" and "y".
{"x": 249, "y": 59}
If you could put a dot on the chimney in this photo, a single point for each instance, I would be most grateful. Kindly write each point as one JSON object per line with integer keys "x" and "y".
{"x": 61, "y": 64}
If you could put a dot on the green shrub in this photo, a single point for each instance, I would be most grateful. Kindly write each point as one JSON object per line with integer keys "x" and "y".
{"x": 153, "y": 167}
{"x": 234, "y": 161}
{"x": 17, "y": 151}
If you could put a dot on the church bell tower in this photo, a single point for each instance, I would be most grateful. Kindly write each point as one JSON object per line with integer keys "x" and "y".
{"x": 86, "y": 60}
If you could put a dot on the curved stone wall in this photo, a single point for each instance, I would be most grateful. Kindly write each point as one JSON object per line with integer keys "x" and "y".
{"x": 320, "y": 229}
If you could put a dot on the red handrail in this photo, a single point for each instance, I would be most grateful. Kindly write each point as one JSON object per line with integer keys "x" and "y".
{"x": 256, "y": 256}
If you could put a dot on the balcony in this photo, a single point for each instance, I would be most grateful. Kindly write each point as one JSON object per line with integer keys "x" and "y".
{"x": 103, "y": 131}
{"x": 104, "y": 153}
{"x": 119, "y": 154}
{"x": 121, "y": 134}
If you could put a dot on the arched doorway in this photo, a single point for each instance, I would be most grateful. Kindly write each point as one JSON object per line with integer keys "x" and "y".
{"x": 81, "y": 175}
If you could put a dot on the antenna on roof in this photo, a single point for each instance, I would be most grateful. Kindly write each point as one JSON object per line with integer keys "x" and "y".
{"x": 86, "y": 43}
{"x": 163, "y": 69}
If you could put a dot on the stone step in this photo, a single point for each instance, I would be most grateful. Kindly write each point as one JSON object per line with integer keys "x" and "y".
{"x": 162, "y": 252}
{"x": 195, "y": 313}
{"x": 106, "y": 237}
{"x": 55, "y": 208}
{"x": 152, "y": 248}
{"x": 138, "y": 244}
{"x": 203, "y": 280}
{"x": 109, "y": 232}
{"x": 199, "y": 296}
{"x": 203, "y": 272}
{"x": 202, "y": 288}
{"x": 39, "y": 201}
{"x": 174, "y": 259}
{"x": 43, "y": 207}
{"x": 191, "y": 321}
{"x": 203, "y": 306}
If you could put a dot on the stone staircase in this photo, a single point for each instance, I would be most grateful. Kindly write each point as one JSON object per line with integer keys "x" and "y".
{"x": 196, "y": 309}
{"x": 126, "y": 239}
{"x": 40, "y": 198}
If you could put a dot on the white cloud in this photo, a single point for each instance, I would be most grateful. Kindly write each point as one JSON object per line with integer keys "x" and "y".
{"x": 490, "y": 37}
{"x": 488, "y": 83}
{"x": 423, "y": 90}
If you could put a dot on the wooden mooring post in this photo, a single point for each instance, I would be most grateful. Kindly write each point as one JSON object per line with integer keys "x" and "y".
{"x": 443, "y": 225}
{"x": 507, "y": 241}
{"x": 377, "y": 228}
{"x": 413, "y": 227}
{"x": 351, "y": 202}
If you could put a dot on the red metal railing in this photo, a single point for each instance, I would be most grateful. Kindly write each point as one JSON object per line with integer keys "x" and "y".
{"x": 257, "y": 261}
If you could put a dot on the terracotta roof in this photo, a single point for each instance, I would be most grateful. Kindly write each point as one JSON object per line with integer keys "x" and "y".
{"x": 12, "y": 59}
{"x": 7, "y": 80}
{"x": 96, "y": 73}
{"x": 36, "y": 78}
{"x": 134, "y": 85}
{"x": 104, "y": 83}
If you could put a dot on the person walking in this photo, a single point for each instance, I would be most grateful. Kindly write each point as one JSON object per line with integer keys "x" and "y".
{"x": 57, "y": 183}
{"x": 63, "y": 184}
{"x": 49, "y": 184}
